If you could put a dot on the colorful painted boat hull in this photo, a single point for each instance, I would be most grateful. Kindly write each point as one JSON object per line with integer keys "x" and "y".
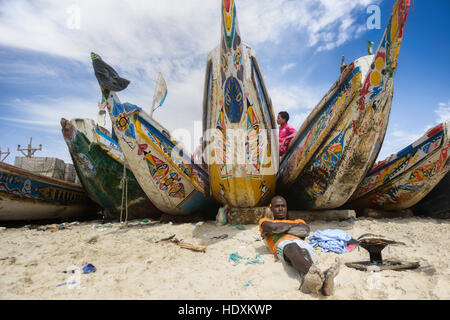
{"x": 403, "y": 179}
{"x": 25, "y": 195}
{"x": 99, "y": 163}
{"x": 239, "y": 127}
{"x": 340, "y": 140}
{"x": 166, "y": 174}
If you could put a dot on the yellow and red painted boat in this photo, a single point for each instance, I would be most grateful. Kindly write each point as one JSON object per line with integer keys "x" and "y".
{"x": 341, "y": 138}
{"x": 239, "y": 128}
{"x": 404, "y": 178}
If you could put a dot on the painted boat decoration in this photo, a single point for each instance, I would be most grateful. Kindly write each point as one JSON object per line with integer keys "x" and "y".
{"x": 99, "y": 162}
{"x": 403, "y": 179}
{"x": 163, "y": 170}
{"x": 239, "y": 129}
{"x": 341, "y": 138}
{"x": 25, "y": 195}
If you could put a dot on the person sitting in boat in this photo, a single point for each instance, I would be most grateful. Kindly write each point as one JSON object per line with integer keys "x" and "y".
{"x": 285, "y": 238}
{"x": 286, "y": 132}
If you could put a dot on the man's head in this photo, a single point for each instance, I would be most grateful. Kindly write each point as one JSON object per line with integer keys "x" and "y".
{"x": 278, "y": 206}
{"x": 283, "y": 117}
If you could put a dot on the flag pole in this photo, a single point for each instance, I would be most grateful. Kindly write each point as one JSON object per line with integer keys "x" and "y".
{"x": 153, "y": 106}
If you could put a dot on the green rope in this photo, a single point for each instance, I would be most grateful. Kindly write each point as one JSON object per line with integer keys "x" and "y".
{"x": 236, "y": 259}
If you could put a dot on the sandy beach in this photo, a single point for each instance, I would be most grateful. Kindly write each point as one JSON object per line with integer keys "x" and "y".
{"x": 132, "y": 264}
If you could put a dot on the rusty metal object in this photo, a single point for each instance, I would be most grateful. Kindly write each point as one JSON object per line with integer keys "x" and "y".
{"x": 374, "y": 244}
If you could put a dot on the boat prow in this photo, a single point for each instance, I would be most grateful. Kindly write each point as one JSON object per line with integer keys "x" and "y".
{"x": 340, "y": 140}
{"x": 164, "y": 171}
{"x": 99, "y": 162}
{"x": 25, "y": 195}
{"x": 404, "y": 178}
{"x": 239, "y": 129}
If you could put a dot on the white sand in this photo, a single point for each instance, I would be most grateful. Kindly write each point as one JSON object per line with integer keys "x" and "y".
{"x": 36, "y": 260}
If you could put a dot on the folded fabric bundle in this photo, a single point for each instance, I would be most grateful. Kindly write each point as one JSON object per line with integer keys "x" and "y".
{"x": 330, "y": 240}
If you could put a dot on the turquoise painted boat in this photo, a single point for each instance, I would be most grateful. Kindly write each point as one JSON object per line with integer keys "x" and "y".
{"x": 99, "y": 162}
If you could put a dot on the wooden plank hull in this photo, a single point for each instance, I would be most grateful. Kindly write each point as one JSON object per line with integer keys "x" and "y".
{"x": 166, "y": 174}
{"x": 239, "y": 126}
{"x": 28, "y": 196}
{"x": 403, "y": 179}
{"x": 99, "y": 163}
{"x": 340, "y": 140}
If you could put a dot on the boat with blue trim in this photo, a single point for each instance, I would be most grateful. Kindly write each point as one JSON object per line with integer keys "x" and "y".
{"x": 162, "y": 168}
{"x": 25, "y": 195}
{"x": 403, "y": 179}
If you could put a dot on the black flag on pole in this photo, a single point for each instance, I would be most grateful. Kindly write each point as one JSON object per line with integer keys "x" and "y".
{"x": 106, "y": 76}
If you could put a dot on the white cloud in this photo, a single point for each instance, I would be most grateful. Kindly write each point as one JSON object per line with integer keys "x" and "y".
{"x": 443, "y": 113}
{"x": 141, "y": 38}
{"x": 153, "y": 32}
{"x": 47, "y": 113}
{"x": 298, "y": 100}
{"x": 287, "y": 67}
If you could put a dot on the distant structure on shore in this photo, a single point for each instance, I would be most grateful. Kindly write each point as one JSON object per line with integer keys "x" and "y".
{"x": 29, "y": 149}
{"x": 6, "y": 153}
{"x": 46, "y": 166}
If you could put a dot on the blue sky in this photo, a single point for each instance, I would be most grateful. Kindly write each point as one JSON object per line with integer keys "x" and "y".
{"x": 46, "y": 72}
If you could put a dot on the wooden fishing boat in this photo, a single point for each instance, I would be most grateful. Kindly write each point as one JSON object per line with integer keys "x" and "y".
{"x": 99, "y": 162}
{"x": 239, "y": 129}
{"x": 164, "y": 171}
{"x": 25, "y": 195}
{"x": 403, "y": 179}
{"x": 340, "y": 140}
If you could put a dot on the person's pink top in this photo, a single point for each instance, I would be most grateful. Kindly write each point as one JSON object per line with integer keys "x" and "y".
{"x": 286, "y": 133}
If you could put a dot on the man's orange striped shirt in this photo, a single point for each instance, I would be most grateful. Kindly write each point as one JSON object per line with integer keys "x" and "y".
{"x": 273, "y": 240}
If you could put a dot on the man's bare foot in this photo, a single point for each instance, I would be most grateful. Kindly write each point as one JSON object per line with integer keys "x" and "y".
{"x": 312, "y": 281}
{"x": 330, "y": 275}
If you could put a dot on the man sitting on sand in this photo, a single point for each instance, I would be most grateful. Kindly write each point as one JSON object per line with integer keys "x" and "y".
{"x": 285, "y": 239}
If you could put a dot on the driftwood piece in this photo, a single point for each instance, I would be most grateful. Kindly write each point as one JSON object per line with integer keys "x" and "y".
{"x": 189, "y": 246}
{"x": 192, "y": 247}
{"x": 182, "y": 244}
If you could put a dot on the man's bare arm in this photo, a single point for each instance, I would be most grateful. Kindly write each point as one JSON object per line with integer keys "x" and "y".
{"x": 298, "y": 229}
